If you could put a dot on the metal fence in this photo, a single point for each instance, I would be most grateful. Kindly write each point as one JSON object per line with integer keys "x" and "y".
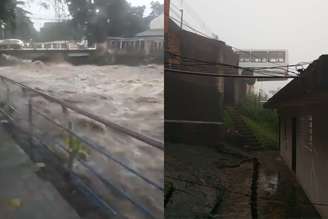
{"x": 31, "y": 130}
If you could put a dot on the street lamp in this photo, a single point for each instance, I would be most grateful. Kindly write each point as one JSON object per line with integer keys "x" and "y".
{"x": 3, "y": 26}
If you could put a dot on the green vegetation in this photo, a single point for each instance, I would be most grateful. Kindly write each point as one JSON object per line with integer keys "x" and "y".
{"x": 228, "y": 123}
{"x": 266, "y": 136}
{"x": 14, "y": 20}
{"x": 76, "y": 150}
{"x": 253, "y": 109}
{"x": 101, "y": 18}
{"x": 92, "y": 19}
{"x": 263, "y": 122}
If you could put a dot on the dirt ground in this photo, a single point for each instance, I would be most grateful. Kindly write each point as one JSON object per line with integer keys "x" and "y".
{"x": 208, "y": 182}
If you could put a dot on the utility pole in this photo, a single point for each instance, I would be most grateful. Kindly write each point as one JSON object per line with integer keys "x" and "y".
{"x": 181, "y": 19}
{"x": 166, "y": 15}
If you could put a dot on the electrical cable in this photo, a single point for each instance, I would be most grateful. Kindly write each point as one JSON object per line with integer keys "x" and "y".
{"x": 208, "y": 74}
{"x": 210, "y": 63}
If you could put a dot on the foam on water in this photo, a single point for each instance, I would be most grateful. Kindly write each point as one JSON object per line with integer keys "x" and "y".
{"x": 129, "y": 96}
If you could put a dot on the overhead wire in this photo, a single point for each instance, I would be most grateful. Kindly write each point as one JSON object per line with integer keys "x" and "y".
{"x": 255, "y": 68}
{"x": 210, "y": 74}
{"x": 240, "y": 50}
{"x": 208, "y": 62}
{"x": 203, "y": 62}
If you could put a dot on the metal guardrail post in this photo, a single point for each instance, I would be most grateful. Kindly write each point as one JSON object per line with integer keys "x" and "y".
{"x": 30, "y": 125}
{"x": 7, "y": 98}
{"x": 72, "y": 154}
{"x": 24, "y": 91}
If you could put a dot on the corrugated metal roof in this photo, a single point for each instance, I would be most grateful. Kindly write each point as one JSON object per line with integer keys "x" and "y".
{"x": 151, "y": 33}
{"x": 312, "y": 82}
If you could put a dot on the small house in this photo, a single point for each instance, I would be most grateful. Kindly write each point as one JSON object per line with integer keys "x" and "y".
{"x": 302, "y": 106}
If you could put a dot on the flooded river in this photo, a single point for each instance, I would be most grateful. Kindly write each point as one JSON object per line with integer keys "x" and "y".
{"x": 129, "y": 96}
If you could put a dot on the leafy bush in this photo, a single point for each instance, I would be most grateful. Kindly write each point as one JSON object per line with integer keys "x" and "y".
{"x": 253, "y": 109}
{"x": 263, "y": 122}
{"x": 228, "y": 123}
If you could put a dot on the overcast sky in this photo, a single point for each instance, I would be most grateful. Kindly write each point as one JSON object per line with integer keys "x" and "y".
{"x": 300, "y": 26}
{"x": 40, "y": 15}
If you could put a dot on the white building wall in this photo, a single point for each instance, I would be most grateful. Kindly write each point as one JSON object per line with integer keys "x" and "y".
{"x": 311, "y": 159}
{"x": 157, "y": 23}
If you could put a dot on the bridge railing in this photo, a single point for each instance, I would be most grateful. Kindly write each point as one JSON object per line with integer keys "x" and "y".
{"x": 73, "y": 146}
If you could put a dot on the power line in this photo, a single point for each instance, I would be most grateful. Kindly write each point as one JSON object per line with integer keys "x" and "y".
{"x": 266, "y": 72}
{"x": 191, "y": 28}
{"x": 188, "y": 10}
{"x": 203, "y": 62}
{"x": 205, "y": 35}
{"x": 206, "y": 62}
{"x": 262, "y": 73}
{"x": 255, "y": 68}
{"x": 197, "y": 73}
{"x": 218, "y": 63}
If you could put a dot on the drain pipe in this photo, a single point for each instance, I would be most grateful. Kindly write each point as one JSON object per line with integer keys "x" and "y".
{"x": 253, "y": 197}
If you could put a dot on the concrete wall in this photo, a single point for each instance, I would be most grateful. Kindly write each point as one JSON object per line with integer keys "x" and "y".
{"x": 194, "y": 98}
{"x": 311, "y": 159}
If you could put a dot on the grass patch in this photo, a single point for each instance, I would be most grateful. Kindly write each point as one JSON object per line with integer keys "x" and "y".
{"x": 253, "y": 109}
{"x": 263, "y": 133}
{"x": 262, "y": 122}
{"x": 228, "y": 123}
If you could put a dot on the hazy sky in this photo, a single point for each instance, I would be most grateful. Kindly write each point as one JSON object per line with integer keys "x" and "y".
{"x": 300, "y": 26}
{"x": 40, "y": 15}
{"x": 297, "y": 25}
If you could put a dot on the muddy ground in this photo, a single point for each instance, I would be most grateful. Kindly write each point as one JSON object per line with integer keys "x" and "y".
{"x": 218, "y": 182}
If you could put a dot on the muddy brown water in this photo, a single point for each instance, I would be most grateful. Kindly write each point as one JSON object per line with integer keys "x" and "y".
{"x": 129, "y": 96}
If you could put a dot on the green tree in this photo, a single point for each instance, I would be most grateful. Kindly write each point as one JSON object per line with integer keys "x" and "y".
{"x": 14, "y": 19}
{"x": 102, "y": 18}
{"x": 156, "y": 10}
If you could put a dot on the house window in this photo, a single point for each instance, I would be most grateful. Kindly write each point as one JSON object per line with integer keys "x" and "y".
{"x": 308, "y": 138}
{"x": 309, "y": 123}
{"x": 285, "y": 134}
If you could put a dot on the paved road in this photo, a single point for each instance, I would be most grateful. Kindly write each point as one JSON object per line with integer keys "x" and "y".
{"x": 23, "y": 195}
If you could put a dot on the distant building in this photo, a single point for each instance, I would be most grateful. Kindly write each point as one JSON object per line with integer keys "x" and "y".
{"x": 302, "y": 106}
{"x": 147, "y": 43}
{"x": 263, "y": 59}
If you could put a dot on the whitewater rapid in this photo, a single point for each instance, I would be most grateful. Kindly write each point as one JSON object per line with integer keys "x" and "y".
{"x": 131, "y": 96}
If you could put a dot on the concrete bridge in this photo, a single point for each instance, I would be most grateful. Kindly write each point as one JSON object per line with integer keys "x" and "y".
{"x": 48, "y": 54}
